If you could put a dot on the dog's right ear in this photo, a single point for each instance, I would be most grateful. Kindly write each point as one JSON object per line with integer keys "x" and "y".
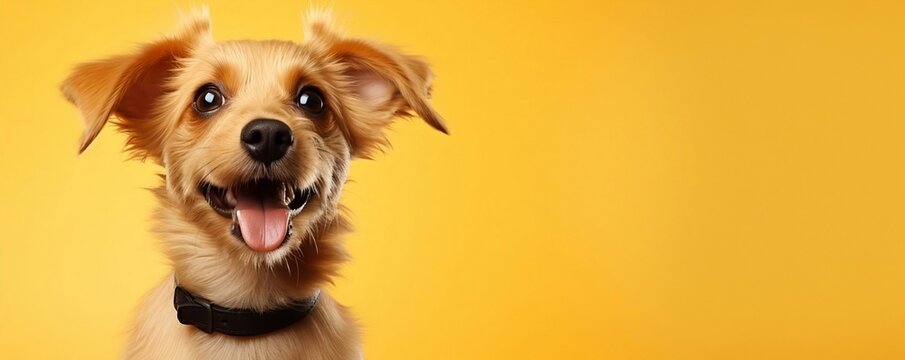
{"x": 129, "y": 86}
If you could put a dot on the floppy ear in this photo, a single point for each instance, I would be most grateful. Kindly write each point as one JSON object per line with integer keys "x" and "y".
{"x": 129, "y": 86}
{"x": 385, "y": 83}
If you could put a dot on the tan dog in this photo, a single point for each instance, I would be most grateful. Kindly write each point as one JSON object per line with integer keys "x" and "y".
{"x": 256, "y": 139}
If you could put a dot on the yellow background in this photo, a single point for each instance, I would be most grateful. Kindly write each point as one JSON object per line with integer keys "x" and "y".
{"x": 624, "y": 180}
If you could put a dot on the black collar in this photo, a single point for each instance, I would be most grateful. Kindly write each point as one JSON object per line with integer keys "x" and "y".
{"x": 210, "y": 317}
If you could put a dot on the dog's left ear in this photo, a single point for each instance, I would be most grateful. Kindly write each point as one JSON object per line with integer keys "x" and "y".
{"x": 384, "y": 82}
{"x": 129, "y": 86}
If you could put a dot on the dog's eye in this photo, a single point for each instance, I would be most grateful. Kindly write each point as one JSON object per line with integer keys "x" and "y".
{"x": 311, "y": 100}
{"x": 208, "y": 99}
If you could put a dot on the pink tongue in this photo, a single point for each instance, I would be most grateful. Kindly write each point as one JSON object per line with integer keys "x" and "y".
{"x": 263, "y": 221}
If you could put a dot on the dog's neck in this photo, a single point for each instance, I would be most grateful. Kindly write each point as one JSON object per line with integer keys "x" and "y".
{"x": 223, "y": 277}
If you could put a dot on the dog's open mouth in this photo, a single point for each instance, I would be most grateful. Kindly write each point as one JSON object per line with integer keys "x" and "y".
{"x": 260, "y": 211}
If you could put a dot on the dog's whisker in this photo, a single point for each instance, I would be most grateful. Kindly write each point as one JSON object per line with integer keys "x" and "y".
{"x": 314, "y": 240}
{"x": 298, "y": 273}
{"x": 208, "y": 174}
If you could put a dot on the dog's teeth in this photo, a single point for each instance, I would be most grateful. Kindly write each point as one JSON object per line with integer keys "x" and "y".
{"x": 287, "y": 194}
{"x": 281, "y": 193}
{"x": 230, "y": 198}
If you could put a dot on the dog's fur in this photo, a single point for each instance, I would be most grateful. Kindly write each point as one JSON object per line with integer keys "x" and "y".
{"x": 150, "y": 92}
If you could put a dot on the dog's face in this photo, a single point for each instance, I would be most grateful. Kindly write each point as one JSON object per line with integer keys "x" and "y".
{"x": 255, "y": 141}
{"x": 255, "y": 136}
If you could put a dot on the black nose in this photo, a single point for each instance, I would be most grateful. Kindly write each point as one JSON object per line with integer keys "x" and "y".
{"x": 266, "y": 140}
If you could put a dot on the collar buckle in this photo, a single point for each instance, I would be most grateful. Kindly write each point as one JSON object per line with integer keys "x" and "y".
{"x": 192, "y": 310}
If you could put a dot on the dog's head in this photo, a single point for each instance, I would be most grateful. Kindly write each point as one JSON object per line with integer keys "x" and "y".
{"x": 255, "y": 136}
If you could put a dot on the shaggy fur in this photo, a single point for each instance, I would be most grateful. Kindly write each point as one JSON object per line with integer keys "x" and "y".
{"x": 150, "y": 93}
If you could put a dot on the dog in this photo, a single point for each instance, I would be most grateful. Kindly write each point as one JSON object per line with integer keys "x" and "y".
{"x": 255, "y": 139}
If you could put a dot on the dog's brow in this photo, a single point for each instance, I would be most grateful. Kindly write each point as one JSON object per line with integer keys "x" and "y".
{"x": 296, "y": 77}
{"x": 225, "y": 74}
